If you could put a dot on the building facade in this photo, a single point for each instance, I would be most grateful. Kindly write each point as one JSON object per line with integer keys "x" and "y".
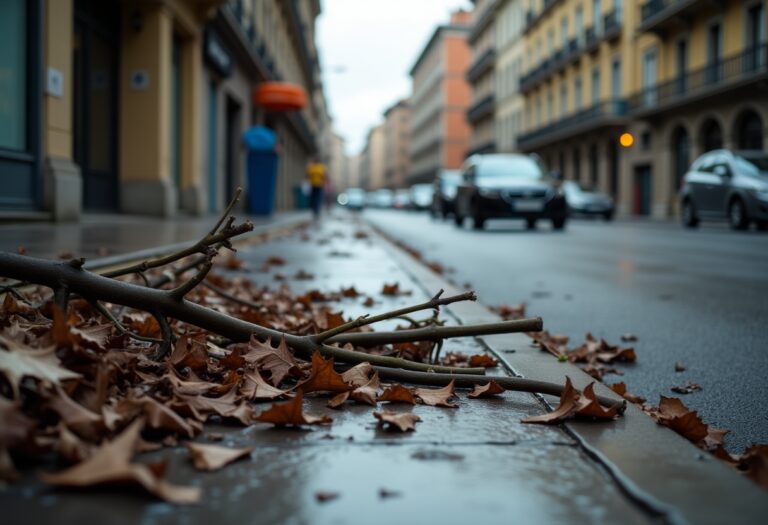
{"x": 481, "y": 76}
{"x": 440, "y": 97}
{"x": 681, "y": 76}
{"x": 510, "y": 47}
{"x": 396, "y": 139}
{"x": 372, "y": 159}
{"x": 138, "y": 106}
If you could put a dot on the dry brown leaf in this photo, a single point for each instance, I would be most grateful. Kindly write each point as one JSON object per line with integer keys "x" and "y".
{"x": 621, "y": 389}
{"x": 291, "y": 413}
{"x": 391, "y": 289}
{"x": 277, "y": 361}
{"x": 358, "y": 375}
{"x": 491, "y": 388}
{"x": 110, "y": 465}
{"x": 158, "y": 416}
{"x": 323, "y": 377}
{"x": 483, "y": 360}
{"x": 214, "y": 457}
{"x": 403, "y": 422}
{"x": 228, "y": 406}
{"x": 15, "y": 429}
{"x": 367, "y": 393}
{"x": 589, "y": 406}
{"x": 369, "y": 302}
{"x": 629, "y": 338}
{"x": 338, "y": 400}
{"x": 349, "y": 292}
{"x": 674, "y": 414}
{"x": 680, "y": 367}
{"x": 569, "y": 403}
{"x": 255, "y": 387}
{"x": 325, "y": 495}
{"x": 75, "y": 416}
{"x": 438, "y": 397}
{"x": 688, "y": 388}
{"x": 754, "y": 464}
{"x": 398, "y": 394}
{"x": 20, "y": 361}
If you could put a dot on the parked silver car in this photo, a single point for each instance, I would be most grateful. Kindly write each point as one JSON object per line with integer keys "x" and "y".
{"x": 731, "y": 185}
{"x": 583, "y": 202}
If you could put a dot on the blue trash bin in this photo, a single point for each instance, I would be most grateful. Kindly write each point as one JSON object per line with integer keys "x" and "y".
{"x": 262, "y": 169}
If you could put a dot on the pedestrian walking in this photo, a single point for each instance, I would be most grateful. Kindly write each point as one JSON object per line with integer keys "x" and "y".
{"x": 316, "y": 175}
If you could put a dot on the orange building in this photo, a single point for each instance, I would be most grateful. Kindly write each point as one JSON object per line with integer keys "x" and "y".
{"x": 440, "y": 96}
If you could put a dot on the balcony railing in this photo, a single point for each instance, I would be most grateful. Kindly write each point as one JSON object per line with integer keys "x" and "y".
{"x": 482, "y": 108}
{"x": 532, "y": 18}
{"x": 534, "y": 76}
{"x": 483, "y": 64}
{"x": 750, "y": 64}
{"x": 612, "y": 25}
{"x": 591, "y": 39}
{"x": 603, "y": 113}
{"x": 655, "y": 14}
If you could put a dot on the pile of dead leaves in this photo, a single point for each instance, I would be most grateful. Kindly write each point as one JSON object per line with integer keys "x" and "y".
{"x": 77, "y": 389}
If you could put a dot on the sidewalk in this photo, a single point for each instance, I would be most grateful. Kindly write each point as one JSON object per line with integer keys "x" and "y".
{"x": 102, "y": 235}
{"x": 474, "y": 464}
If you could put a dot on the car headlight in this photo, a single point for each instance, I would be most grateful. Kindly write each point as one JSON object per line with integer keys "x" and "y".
{"x": 487, "y": 192}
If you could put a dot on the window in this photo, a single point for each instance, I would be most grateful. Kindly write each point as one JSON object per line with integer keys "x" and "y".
{"x": 649, "y": 76}
{"x": 550, "y": 106}
{"x": 564, "y": 32}
{"x": 681, "y": 52}
{"x": 577, "y": 94}
{"x": 616, "y": 79}
{"x": 597, "y": 16}
{"x": 755, "y": 36}
{"x": 551, "y": 42}
{"x": 595, "y": 85}
{"x": 580, "y": 25}
{"x": 563, "y": 99}
{"x": 714, "y": 52}
{"x": 13, "y": 75}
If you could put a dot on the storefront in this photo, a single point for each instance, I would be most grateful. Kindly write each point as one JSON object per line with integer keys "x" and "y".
{"x": 20, "y": 104}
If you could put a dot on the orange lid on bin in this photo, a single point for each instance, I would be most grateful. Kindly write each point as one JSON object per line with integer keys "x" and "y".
{"x": 279, "y": 96}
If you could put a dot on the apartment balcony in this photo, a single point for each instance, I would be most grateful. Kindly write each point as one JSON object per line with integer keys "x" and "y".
{"x": 658, "y": 15}
{"x": 612, "y": 25}
{"x": 603, "y": 115}
{"x": 532, "y": 18}
{"x": 482, "y": 23}
{"x": 482, "y": 65}
{"x": 481, "y": 109}
{"x": 592, "y": 39}
{"x": 730, "y": 77}
{"x": 536, "y": 75}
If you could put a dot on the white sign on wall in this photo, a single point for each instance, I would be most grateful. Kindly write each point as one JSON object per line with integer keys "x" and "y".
{"x": 54, "y": 83}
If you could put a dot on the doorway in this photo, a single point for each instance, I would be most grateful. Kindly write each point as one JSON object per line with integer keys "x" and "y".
{"x": 642, "y": 191}
{"x": 232, "y": 178}
{"x": 95, "y": 61}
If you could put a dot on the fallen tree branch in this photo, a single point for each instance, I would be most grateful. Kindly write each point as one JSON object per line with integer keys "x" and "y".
{"x": 103, "y": 310}
{"x": 436, "y": 333}
{"x": 94, "y": 287}
{"x": 468, "y": 381}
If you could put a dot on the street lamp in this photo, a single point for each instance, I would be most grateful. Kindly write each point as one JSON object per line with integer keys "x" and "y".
{"x": 626, "y": 140}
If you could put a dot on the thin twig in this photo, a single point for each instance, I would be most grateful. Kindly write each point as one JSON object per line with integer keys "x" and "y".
{"x": 435, "y": 333}
{"x": 435, "y": 302}
{"x": 226, "y": 295}
{"x": 103, "y": 310}
{"x": 351, "y": 325}
{"x": 468, "y": 381}
{"x": 228, "y": 209}
{"x": 165, "y": 329}
{"x": 179, "y": 292}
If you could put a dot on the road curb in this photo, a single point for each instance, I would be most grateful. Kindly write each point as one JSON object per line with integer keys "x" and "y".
{"x": 659, "y": 470}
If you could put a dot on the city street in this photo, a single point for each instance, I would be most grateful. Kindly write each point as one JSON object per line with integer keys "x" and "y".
{"x": 692, "y": 297}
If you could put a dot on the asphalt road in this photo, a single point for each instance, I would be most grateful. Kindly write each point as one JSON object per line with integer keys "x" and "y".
{"x": 695, "y": 297}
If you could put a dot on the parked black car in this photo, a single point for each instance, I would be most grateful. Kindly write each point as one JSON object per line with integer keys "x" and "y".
{"x": 509, "y": 185}
{"x": 444, "y": 197}
{"x": 730, "y": 185}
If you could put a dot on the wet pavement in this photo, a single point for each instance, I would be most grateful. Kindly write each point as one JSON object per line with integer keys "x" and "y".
{"x": 698, "y": 298}
{"x": 100, "y": 236}
{"x": 475, "y": 463}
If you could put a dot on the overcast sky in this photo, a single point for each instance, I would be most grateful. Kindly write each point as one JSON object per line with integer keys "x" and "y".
{"x": 367, "y": 48}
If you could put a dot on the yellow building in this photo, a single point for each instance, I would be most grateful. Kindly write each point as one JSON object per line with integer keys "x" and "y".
{"x": 482, "y": 78}
{"x": 142, "y": 103}
{"x": 682, "y": 76}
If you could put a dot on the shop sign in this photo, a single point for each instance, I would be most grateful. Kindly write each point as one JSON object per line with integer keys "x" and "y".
{"x": 216, "y": 55}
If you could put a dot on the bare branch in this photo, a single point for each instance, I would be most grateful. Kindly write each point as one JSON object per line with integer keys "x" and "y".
{"x": 165, "y": 329}
{"x": 435, "y": 333}
{"x": 103, "y": 310}
{"x": 322, "y": 336}
{"x": 230, "y": 222}
{"x": 182, "y": 290}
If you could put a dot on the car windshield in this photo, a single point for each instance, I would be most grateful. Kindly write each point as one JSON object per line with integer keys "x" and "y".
{"x": 422, "y": 188}
{"x": 753, "y": 166}
{"x": 509, "y": 166}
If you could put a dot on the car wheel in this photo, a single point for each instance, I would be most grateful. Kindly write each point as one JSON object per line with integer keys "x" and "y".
{"x": 458, "y": 220}
{"x": 478, "y": 222}
{"x": 558, "y": 223}
{"x": 690, "y": 219}
{"x": 737, "y": 215}
{"x": 530, "y": 224}
{"x": 762, "y": 226}
{"x": 608, "y": 216}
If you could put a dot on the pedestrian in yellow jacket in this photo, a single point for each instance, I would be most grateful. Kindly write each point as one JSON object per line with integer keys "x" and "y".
{"x": 316, "y": 174}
